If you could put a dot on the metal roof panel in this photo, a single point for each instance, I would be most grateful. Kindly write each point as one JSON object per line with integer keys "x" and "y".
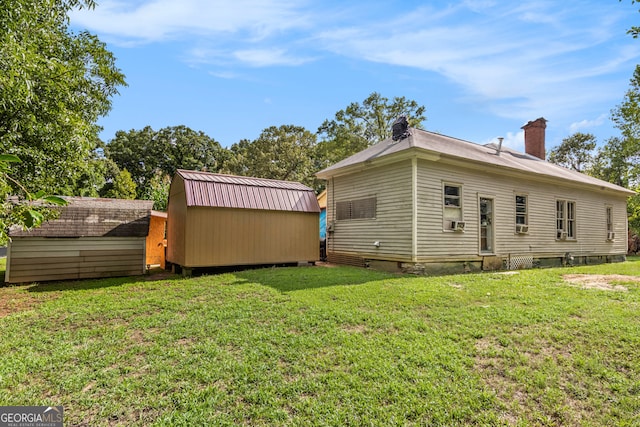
{"x": 230, "y": 191}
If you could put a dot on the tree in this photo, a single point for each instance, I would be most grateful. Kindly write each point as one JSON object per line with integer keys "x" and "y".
{"x": 26, "y": 210}
{"x": 55, "y": 85}
{"x": 575, "y": 152}
{"x": 626, "y": 117}
{"x": 284, "y": 153}
{"x": 611, "y": 163}
{"x": 145, "y": 153}
{"x": 158, "y": 191}
{"x": 634, "y": 30}
{"x": 360, "y": 125}
{"x": 122, "y": 187}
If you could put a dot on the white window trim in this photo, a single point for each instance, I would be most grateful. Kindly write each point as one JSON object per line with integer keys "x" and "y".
{"x": 565, "y": 220}
{"x": 448, "y": 219}
{"x": 526, "y": 213}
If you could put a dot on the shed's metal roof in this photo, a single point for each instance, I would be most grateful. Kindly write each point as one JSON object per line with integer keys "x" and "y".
{"x": 230, "y": 191}
{"x": 453, "y": 148}
{"x": 94, "y": 217}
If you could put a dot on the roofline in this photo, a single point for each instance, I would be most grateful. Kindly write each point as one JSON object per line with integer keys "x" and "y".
{"x": 434, "y": 156}
{"x": 240, "y": 177}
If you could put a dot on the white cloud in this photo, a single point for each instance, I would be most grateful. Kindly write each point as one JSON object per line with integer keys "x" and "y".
{"x": 158, "y": 20}
{"x": 518, "y": 62}
{"x": 268, "y": 57}
{"x": 585, "y": 125}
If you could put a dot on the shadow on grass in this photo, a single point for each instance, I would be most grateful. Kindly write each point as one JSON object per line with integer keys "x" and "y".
{"x": 86, "y": 284}
{"x": 311, "y": 277}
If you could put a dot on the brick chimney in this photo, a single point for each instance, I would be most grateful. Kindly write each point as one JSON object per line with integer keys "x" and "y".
{"x": 534, "y": 137}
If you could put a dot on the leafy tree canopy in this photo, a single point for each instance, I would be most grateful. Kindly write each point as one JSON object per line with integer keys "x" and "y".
{"x": 27, "y": 211}
{"x": 55, "y": 85}
{"x": 145, "y": 153}
{"x": 575, "y": 152}
{"x": 122, "y": 186}
{"x": 284, "y": 153}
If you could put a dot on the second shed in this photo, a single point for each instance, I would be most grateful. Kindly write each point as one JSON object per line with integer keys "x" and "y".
{"x": 224, "y": 220}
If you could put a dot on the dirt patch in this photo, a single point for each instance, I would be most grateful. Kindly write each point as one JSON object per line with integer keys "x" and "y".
{"x": 325, "y": 264}
{"x": 14, "y": 299}
{"x": 603, "y": 282}
{"x": 521, "y": 401}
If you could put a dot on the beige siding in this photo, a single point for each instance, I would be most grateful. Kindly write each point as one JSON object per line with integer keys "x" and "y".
{"x": 437, "y": 243}
{"x": 224, "y": 236}
{"x": 176, "y": 222}
{"x": 41, "y": 259}
{"x": 392, "y": 227}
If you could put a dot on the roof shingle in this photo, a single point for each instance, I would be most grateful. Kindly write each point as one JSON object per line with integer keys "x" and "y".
{"x": 94, "y": 217}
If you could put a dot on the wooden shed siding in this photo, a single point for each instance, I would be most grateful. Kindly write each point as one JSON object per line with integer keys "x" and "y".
{"x": 176, "y": 222}
{"x": 590, "y": 216}
{"x": 226, "y": 236}
{"x": 392, "y": 227}
{"x": 39, "y": 259}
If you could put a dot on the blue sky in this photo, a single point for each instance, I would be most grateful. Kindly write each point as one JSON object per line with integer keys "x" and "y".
{"x": 482, "y": 68}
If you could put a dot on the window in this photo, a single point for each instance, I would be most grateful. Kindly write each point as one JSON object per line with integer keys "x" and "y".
{"x": 452, "y": 207}
{"x": 522, "y": 213}
{"x": 610, "y": 234}
{"x": 565, "y": 220}
{"x": 356, "y": 209}
{"x": 452, "y": 196}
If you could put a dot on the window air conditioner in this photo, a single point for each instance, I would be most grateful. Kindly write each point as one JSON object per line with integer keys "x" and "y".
{"x": 561, "y": 235}
{"x": 611, "y": 235}
{"x": 457, "y": 225}
{"x": 522, "y": 228}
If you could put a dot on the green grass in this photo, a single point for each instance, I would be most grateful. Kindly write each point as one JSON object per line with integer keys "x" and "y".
{"x": 327, "y": 346}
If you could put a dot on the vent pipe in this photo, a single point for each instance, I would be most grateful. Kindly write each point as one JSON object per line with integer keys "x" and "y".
{"x": 499, "y": 145}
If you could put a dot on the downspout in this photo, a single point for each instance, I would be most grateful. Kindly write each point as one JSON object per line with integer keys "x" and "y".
{"x": 414, "y": 207}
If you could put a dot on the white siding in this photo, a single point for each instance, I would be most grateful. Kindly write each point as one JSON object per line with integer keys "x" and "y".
{"x": 392, "y": 227}
{"x": 42, "y": 259}
{"x": 436, "y": 243}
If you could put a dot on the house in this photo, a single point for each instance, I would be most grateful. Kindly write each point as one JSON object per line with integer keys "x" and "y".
{"x": 224, "y": 220}
{"x": 421, "y": 201}
{"x": 91, "y": 238}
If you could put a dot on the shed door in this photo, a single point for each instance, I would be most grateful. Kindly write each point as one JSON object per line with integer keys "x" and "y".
{"x": 486, "y": 226}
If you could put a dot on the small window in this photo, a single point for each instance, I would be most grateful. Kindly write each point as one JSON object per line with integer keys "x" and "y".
{"x": 452, "y": 207}
{"x": 565, "y": 220}
{"x": 611, "y": 235}
{"x": 522, "y": 211}
{"x": 571, "y": 220}
{"x": 452, "y": 196}
{"x": 356, "y": 209}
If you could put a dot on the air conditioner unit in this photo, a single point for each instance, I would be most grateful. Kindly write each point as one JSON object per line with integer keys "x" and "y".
{"x": 561, "y": 235}
{"x": 522, "y": 228}
{"x": 611, "y": 235}
{"x": 457, "y": 225}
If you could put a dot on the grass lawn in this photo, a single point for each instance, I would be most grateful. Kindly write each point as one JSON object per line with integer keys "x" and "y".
{"x": 329, "y": 346}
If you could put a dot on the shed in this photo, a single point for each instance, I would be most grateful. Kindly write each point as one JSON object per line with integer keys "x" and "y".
{"x": 156, "y": 239}
{"x": 224, "y": 220}
{"x": 90, "y": 238}
{"x": 425, "y": 202}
